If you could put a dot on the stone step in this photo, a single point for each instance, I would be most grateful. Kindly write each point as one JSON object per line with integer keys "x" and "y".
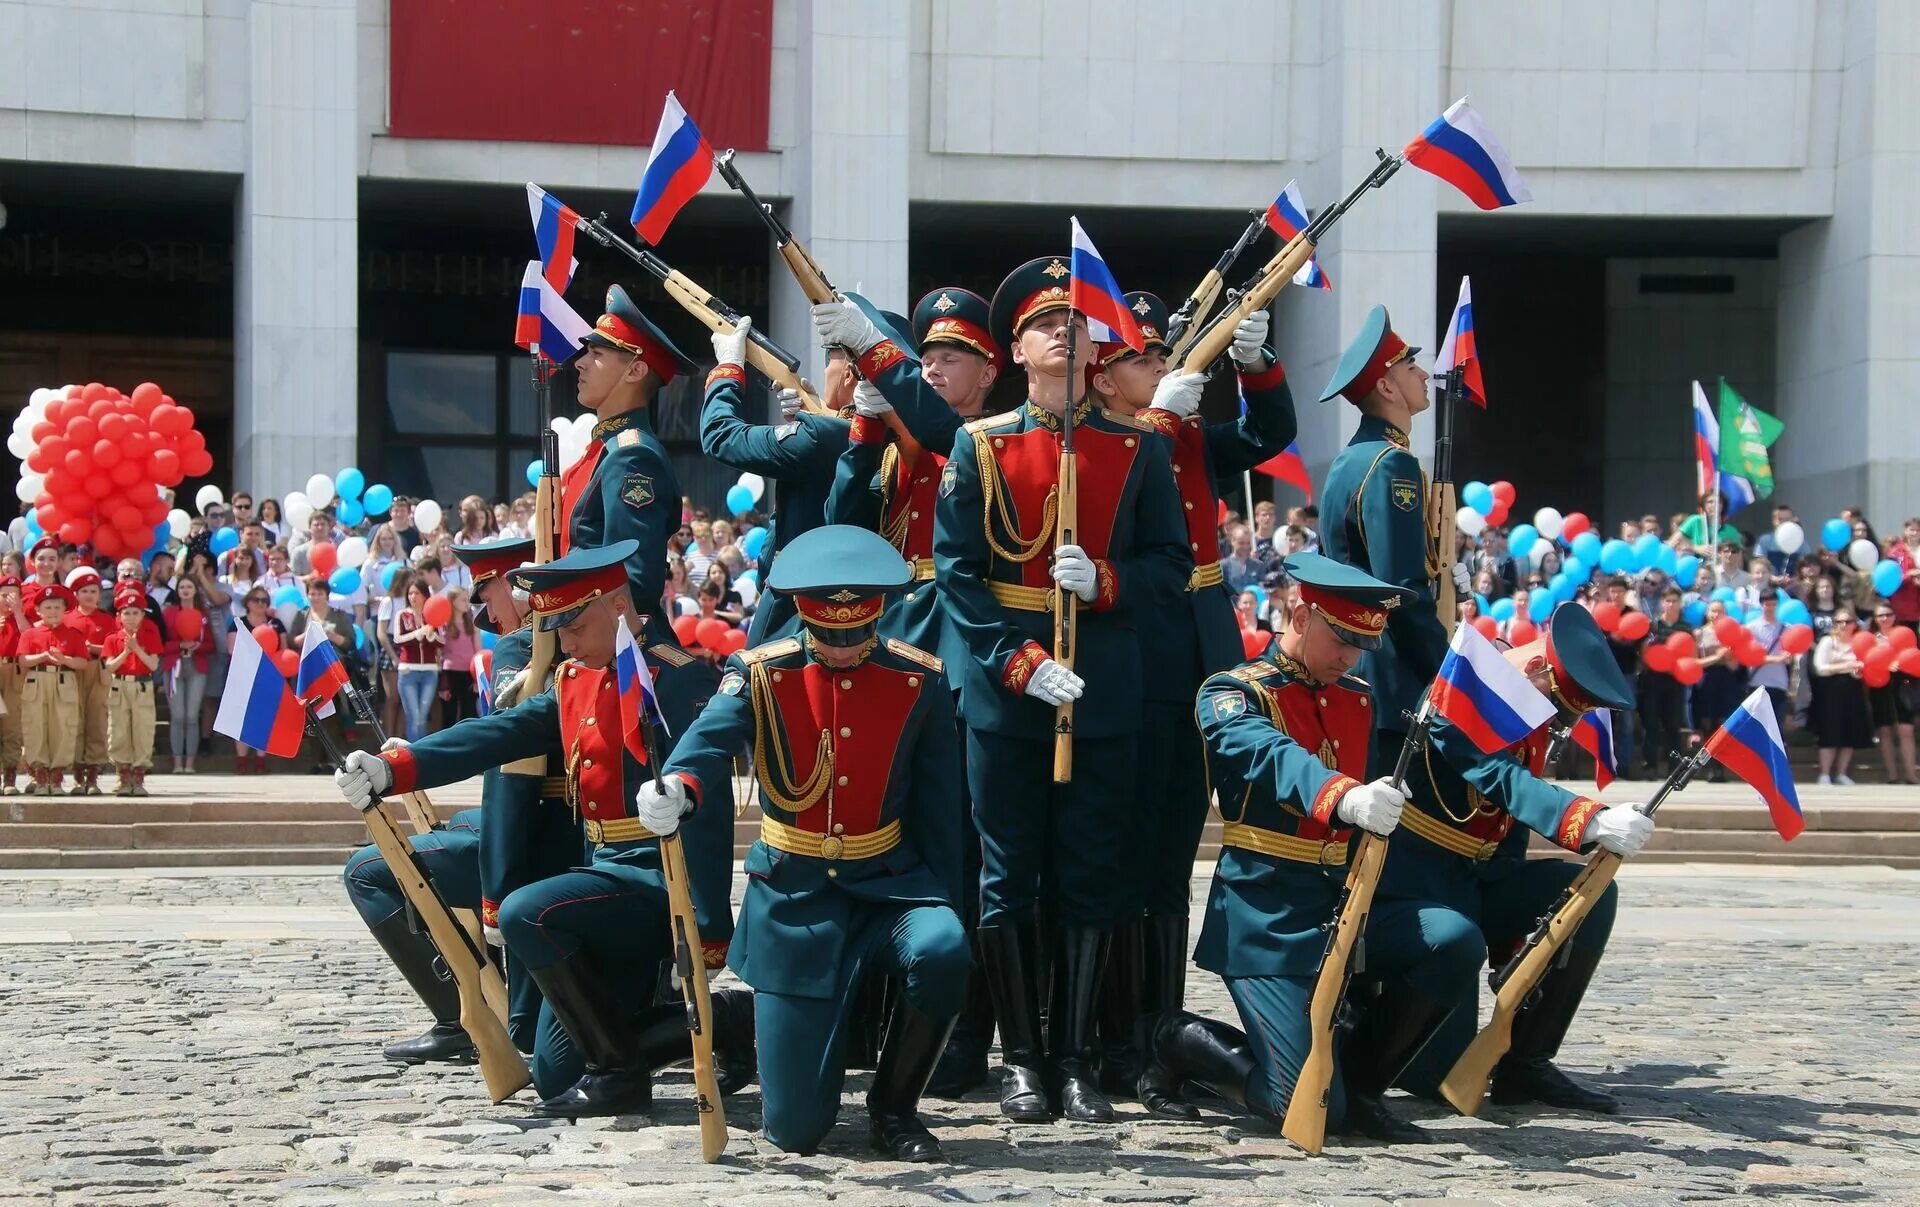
{"x": 1811, "y": 842}
{"x": 1782, "y": 857}
{"x": 325, "y": 855}
{"x": 120, "y": 810}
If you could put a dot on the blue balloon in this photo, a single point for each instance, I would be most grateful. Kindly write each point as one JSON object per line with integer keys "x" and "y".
{"x": 1577, "y": 569}
{"x": 1588, "y": 547}
{"x": 1686, "y": 570}
{"x": 1562, "y": 586}
{"x": 1616, "y": 557}
{"x": 487, "y": 640}
{"x": 1792, "y": 612}
{"x": 1836, "y": 535}
{"x": 289, "y": 594}
{"x": 749, "y": 575}
{"x": 1485, "y": 604}
{"x": 739, "y": 499}
{"x": 1668, "y": 559}
{"x": 1540, "y": 605}
{"x": 1259, "y": 595}
{"x": 1695, "y": 613}
{"x": 1522, "y": 539}
{"x": 351, "y": 512}
{"x": 1725, "y": 595}
{"x": 359, "y": 638}
{"x": 1646, "y": 551}
{"x": 223, "y": 540}
{"x": 534, "y": 467}
{"x": 755, "y": 541}
{"x": 386, "y": 576}
{"x": 33, "y": 522}
{"x": 1750, "y": 615}
{"x": 1477, "y": 495}
{"x": 1887, "y": 577}
{"x": 378, "y": 500}
{"x": 1502, "y": 610}
{"x": 345, "y": 580}
{"x": 349, "y": 482}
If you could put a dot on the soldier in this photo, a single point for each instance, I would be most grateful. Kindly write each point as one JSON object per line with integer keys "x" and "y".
{"x": 129, "y": 655}
{"x": 1460, "y": 847}
{"x": 1376, "y": 496}
{"x": 858, "y": 863}
{"x": 1287, "y": 737}
{"x": 96, "y": 624}
{"x": 1147, "y": 972}
{"x": 891, "y": 487}
{"x": 593, "y": 937}
{"x": 1000, "y": 573}
{"x": 52, "y": 653}
{"x": 14, "y": 622}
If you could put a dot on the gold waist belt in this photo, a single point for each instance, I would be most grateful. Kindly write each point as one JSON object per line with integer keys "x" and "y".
{"x": 795, "y": 841}
{"x": 617, "y": 829}
{"x": 1023, "y": 599}
{"x": 1283, "y": 846}
{"x": 1440, "y": 834}
{"x": 1205, "y": 576}
{"x": 923, "y": 569}
{"x": 553, "y": 787}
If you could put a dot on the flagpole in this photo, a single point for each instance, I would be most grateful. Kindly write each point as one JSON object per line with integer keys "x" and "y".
{"x": 1246, "y": 486}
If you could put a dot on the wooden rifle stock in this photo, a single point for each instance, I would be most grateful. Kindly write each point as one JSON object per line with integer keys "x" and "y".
{"x": 1442, "y": 521}
{"x": 1066, "y": 605}
{"x": 546, "y": 546}
{"x": 1305, "y": 1122}
{"x": 1185, "y": 322}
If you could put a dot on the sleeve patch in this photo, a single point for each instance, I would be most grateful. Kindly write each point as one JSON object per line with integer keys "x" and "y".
{"x": 785, "y": 430}
{"x": 1405, "y": 494}
{"x": 637, "y": 490}
{"x": 949, "y": 478}
{"x": 733, "y": 683}
{"x": 1228, "y": 705}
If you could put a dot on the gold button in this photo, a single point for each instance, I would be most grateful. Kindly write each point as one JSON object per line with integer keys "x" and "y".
{"x": 777, "y": 676}
{"x": 1196, "y": 546}
{"x": 999, "y": 443}
{"x": 1323, "y": 701}
{"x": 586, "y": 762}
{"x": 1129, "y": 442}
{"x": 910, "y": 597}
{"x": 1189, "y": 505}
{"x": 593, "y": 808}
{"x": 913, "y": 680}
{"x": 846, "y": 685}
{"x": 1336, "y": 743}
{"x": 1176, "y": 469}
{"x": 914, "y": 516}
{"x": 838, "y": 828}
{"x": 592, "y": 720}
{"x": 572, "y": 671}
{"x": 842, "y": 781}
{"x": 845, "y": 732}
{"x": 835, "y": 872}
{"x": 924, "y": 481}
{"x": 1364, "y": 701}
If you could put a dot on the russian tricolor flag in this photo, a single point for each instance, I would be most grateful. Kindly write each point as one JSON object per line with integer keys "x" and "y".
{"x": 546, "y": 323}
{"x": 1290, "y": 467}
{"x": 1749, "y": 745}
{"x": 1287, "y": 216}
{"x": 678, "y": 167}
{"x": 1459, "y": 149}
{"x": 1097, "y": 295}
{"x": 1735, "y": 493}
{"x": 553, "y": 229}
{"x": 257, "y": 708}
{"x": 1487, "y": 697}
{"x": 638, "y": 706}
{"x": 1593, "y": 733}
{"x": 322, "y": 675}
{"x": 1459, "y": 348}
{"x": 483, "y": 682}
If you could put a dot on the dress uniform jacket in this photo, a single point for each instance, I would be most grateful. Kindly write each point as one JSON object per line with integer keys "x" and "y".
{"x": 1376, "y": 519}
{"x": 882, "y": 489}
{"x": 857, "y": 770}
{"x": 527, "y": 830}
{"x": 624, "y": 487}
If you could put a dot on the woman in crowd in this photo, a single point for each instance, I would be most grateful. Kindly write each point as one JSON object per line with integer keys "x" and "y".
{"x": 680, "y": 599}
{"x": 185, "y": 663}
{"x": 732, "y": 608}
{"x": 1839, "y": 709}
{"x": 1246, "y": 610}
{"x": 453, "y": 571}
{"x": 476, "y": 522}
{"x": 272, "y": 520}
{"x": 257, "y": 610}
{"x": 384, "y": 549}
{"x": 1892, "y": 708}
{"x": 1549, "y": 564}
{"x": 1905, "y": 553}
{"x": 418, "y": 646}
{"x": 390, "y": 602}
{"x": 1723, "y": 681}
{"x": 217, "y": 602}
{"x": 456, "y": 660}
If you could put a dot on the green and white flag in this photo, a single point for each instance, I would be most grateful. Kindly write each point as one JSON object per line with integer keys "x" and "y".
{"x": 1746, "y": 433}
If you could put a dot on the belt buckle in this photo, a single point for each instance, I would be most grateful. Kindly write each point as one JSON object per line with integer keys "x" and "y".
{"x": 1330, "y": 855}
{"x": 831, "y": 846}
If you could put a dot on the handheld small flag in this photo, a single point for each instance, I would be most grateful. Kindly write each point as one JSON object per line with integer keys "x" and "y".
{"x": 1458, "y": 348}
{"x": 322, "y": 675}
{"x": 483, "y": 682}
{"x": 1287, "y": 217}
{"x": 258, "y": 709}
{"x": 546, "y": 323}
{"x": 1749, "y": 745}
{"x": 1735, "y": 493}
{"x": 1485, "y": 696}
{"x": 1593, "y": 733}
{"x": 1094, "y": 293}
{"x": 678, "y": 167}
{"x": 1290, "y": 467}
{"x": 553, "y": 230}
{"x": 638, "y": 707}
{"x": 1459, "y": 149}
{"x": 1748, "y": 433}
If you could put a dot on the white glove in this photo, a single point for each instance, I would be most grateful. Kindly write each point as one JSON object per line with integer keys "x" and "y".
{"x": 394, "y": 744}
{"x": 662, "y": 807}
{"x": 1462, "y": 579}
{"x": 1622, "y": 829}
{"x": 1074, "y": 570}
{"x": 362, "y": 778}
{"x": 845, "y": 325}
{"x": 493, "y": 936}
{"x": 1374, "y": 807}
{"x": 730, "y": 347}
{"x": 1054, "y": 684}
{"x": 790, "y": 404}
{"x": 1250, "y": 340}
{"x": 1178, "y": 393}
{"x": 868, "y": 401}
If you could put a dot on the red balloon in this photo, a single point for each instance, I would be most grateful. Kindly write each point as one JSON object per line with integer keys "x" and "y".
{"x": 78, "y": 463}
{"x": 1902, "y": 638}
{"x": 1633, "y": 626}
{"x": 107, "y": 543}
{"x": 1498, "y": 515}
{"x": 1908, "y": 663}
{"x": 325, "y": 557}
{"x": 188, "y": 623}
{"x": 686, "y": 628}
{"x": 136, "y": 444}
{"x": 38, "y": 461}
{"x": 82, "y": 431}
{"x": 1682, "y": 644}
{"x": 99, "y": 486}
{"x": 1727, "y": 630}
{"x": 1796, "y": 638}
{"x": 76, "y": 531}
{"x": 288, "y": 661}
{"x": 145, "y": 396}
{"x": 1573, "y": 524}
{"x": 1253, "y": 642}
{"x": 1749, "y": 654}
{"x": 736, "y": 641}
{"x": 267, "y": 636}
{"x": 106, "y": 454}
{"x": 1659, "y": 659}
{"x": 126, "y": 517}
{"x": 1863, "y": 644}
{"x": 42, "y": 431}
{"x": 1687, "y": 670}
{"x": 198, "y": 463}
{"x": 1883, "y": 657}
{"x": 1606, "y": 614}
{"x": 154, "y": 511}
{"x": 1877, "y": 676}
{"x": 163, "y": 466}
{"x": 437, "y": 611}
{"x": 93, "y": 392}
{"x": 1488, "y": 627}
{"x": 711, "y": 632}
{"x": 128, "y": 472}
{"x": 161, "y": 420}
{"x": 1504, "y": 493}
{"x": 1522, "y": 630}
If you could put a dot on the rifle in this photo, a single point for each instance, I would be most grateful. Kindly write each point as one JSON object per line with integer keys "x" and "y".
{"x": 1066, "y": 604}
{"x": 776, "y": 363}
{"x": 546, "y": 543}
{"x": 1305, "y": 1122}
{"x": 806, "y": 272}
{"x": 1211, "y": 343}
{"x": 689, "y": 960}
{"x": 1441, "y": 524}
{"x": 1514, "y": 985}
{"x": 1200, "y": 302}
{"x": 483, "y": 995}
{"x": 420, "y": 810}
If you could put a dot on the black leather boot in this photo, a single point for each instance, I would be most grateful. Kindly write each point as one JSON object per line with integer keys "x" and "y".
{"x": 1179, "y": 1047}
{"x": 1011, "y": 952}
{"x": 914, "y": 1043}
{"x": 664, "y": 1040}
{"x": 1527, "y": 1072}
{"x": 963, "y": 1066}
{"x": 1390, "y": 1032}
{"x": 866, "y": 1027}
{"x": 617, "y": 1080}
{"x": 1079, "y": 961}
{"x": 1121, "y": 1002}
{"x": 413, "y": 953}
{"x": 1164, "y": 993}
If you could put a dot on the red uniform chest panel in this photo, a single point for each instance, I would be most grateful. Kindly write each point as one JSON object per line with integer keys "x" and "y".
{"x": 914, "y": 492}
{"x": 1336, "y": 725}
{"x": 1030, "y": 467}
{"x": 863, "y": 712}
{"x": 590, "y": 721}
{"x": 573, "y": 484}
{"x": 1196, "y": 491}
{"x": 1491, "y": 823}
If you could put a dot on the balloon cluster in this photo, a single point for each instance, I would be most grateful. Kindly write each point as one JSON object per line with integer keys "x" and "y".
{"x": 744, "y": 494}
{"x": 574, "y": 434}
{"x": 95, "y": 462}
{"x": 351, "y": 498}
{"x": 710, "y": 634}
{"x": 1880, "y": 661}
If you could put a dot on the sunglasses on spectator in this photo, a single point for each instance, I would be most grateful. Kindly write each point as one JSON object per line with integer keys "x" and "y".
{"x": 1883, "y": 615}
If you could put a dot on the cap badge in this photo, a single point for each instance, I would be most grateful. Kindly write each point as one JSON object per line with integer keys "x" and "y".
{"x": 944, "y": 303}
{"x": 843, "y": 596}
{"x": 1141, "y": 307}
{"x": 1056, "y": 270}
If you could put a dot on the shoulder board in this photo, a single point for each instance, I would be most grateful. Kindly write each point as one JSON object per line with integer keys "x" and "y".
{"x": 772, "y": 649}
{"x": 993, "y": 421}
{"x": 913, "y": 653}
{"x": 629, "y": 438}
{"x": 1355, "y": 682}
{"x": 1139, "y": 425}
{"x": 671, "y": 655}
{"x": 1253, "y": 672}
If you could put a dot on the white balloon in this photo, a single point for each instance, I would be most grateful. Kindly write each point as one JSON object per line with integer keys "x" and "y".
{"x": 295, "y": 498}
{"x": 1789, "y": 538}
{"x": 1466, "y": 520}
{"x": 426, "y": 515}
{"x": 29, "y": 487}
{"x": 298, "y": 511}
{"x": 748, "y": 591}
{"x": 758, "y": 485}
{"x": 583, "y": 426}
{"x": 41, "y": 397}
{"x": 1862, "y": 554}
{"x": 320, "y": 490}
{"x": 178, "y": 522}
{"x": 20, "y": 445}
{"x": 1549, "y": 522}
{"x": 208, "y": 496}
{"x": 561, "y": 425}
{"x": 353, "y": 552}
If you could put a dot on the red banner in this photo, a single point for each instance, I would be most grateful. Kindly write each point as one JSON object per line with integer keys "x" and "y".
{"x": 579, "y": 71}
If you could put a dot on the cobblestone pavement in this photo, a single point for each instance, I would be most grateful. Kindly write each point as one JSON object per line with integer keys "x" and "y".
{"x": 214, "y": 1038}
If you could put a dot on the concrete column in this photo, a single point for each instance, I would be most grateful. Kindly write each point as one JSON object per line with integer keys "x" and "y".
{"x": 1849, "y": 315}
{"x": 296, "y": 249}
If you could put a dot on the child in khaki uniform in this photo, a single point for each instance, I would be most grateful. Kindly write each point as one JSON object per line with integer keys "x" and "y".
{"x": 51, "y": 653}
{"x": 96, "y": 624}
{"x": 129, "y": 655}
{"x": 13, "y": 623}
